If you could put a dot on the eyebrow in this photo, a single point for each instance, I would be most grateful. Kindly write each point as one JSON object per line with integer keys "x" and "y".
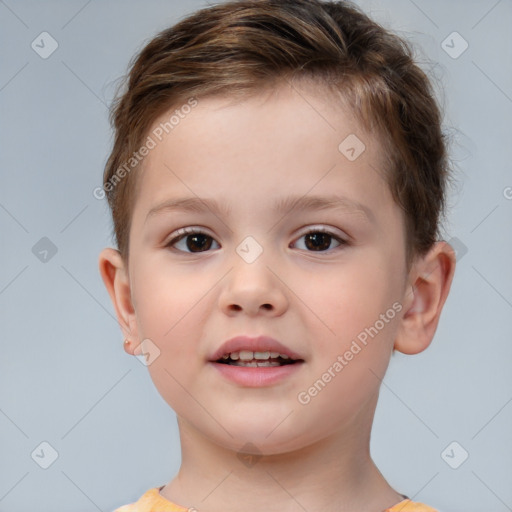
{"x": 282, "y": 206}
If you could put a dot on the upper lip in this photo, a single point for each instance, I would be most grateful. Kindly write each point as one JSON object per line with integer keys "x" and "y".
{"x": 254, "y": 344}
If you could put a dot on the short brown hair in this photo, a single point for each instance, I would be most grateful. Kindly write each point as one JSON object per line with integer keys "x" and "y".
{"x": 243, "y": 46}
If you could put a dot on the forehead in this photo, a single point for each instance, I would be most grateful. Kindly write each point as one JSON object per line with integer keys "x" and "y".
{"x": 282, "y": 137}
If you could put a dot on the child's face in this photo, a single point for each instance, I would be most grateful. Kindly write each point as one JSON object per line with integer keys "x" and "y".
{"x": 248, "y": 158}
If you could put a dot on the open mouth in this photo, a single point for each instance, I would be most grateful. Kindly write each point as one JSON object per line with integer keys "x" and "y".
{"x": 248, "y": 358}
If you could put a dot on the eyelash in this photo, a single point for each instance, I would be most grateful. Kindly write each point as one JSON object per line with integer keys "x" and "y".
{"x": 183, "y": 233}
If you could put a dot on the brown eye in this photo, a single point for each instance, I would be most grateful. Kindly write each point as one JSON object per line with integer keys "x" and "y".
{"x": 320, "y": 241}
{"x": 192, "y": 242}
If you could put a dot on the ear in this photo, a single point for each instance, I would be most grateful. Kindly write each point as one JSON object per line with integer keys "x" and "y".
{"x": 114, "y": 273}
{"x": 427, "y": 288}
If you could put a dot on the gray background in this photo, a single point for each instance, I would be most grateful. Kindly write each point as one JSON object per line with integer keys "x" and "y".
{"x": 64, "y": 377}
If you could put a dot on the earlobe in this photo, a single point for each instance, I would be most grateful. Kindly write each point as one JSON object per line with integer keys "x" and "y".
{"x": 430, "y": 281}
{"x": 114, "y": 273}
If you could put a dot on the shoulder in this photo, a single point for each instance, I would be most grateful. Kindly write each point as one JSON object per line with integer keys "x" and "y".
{"x": 411, "y": 506}
{"x": 152, "y": 501}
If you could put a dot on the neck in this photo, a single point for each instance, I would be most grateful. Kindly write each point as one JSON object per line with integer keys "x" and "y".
{"x": 215, "y": 479}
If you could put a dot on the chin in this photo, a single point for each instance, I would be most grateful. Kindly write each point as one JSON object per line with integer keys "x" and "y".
{"x": 262, "y": 438}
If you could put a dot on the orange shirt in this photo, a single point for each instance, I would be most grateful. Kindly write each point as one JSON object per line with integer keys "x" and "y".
{"x": 152, "y": 501}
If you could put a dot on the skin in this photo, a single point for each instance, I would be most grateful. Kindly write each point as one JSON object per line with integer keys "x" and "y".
{"x": 247, "y": 155}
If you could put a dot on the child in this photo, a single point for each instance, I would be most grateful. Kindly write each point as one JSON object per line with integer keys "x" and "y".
{"x": 276, "y": 183}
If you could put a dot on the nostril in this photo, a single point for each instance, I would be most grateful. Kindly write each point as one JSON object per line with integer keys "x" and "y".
{"x": 237, "y": 307}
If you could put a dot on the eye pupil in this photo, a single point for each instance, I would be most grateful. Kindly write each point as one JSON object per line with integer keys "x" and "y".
{"x": 322, "y": 239}
{"x": 203, "y": 242}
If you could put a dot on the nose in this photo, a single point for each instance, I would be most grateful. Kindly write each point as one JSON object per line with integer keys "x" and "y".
{"x": 253, "y": 289}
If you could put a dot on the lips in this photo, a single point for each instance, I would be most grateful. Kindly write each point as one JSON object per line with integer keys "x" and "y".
{"x": 245, "y": 344}
{"x": 255, "y": 362}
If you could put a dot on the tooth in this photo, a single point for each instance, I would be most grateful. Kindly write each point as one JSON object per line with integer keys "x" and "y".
{"x": 250, "y": 364}
{"x": 246, "y": 355}
{"x": 283, "y": 356}
{"x": 226, "y": 356}
{"x": 274, "y": 355}
{"x": 268, "y": 363}
{"x": 234, "y": 355}
{"x": 261, "y": 355}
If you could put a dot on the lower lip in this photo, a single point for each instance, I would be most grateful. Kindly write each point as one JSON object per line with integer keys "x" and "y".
{"x": 256, "y": 376}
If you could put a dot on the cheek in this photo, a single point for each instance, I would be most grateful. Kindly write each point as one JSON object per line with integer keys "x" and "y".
{"x": 164, "y": 297}
{"x": 169, "y": 311}
{"x": 350, "y": 302}
{"x": 346, "y": 300}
